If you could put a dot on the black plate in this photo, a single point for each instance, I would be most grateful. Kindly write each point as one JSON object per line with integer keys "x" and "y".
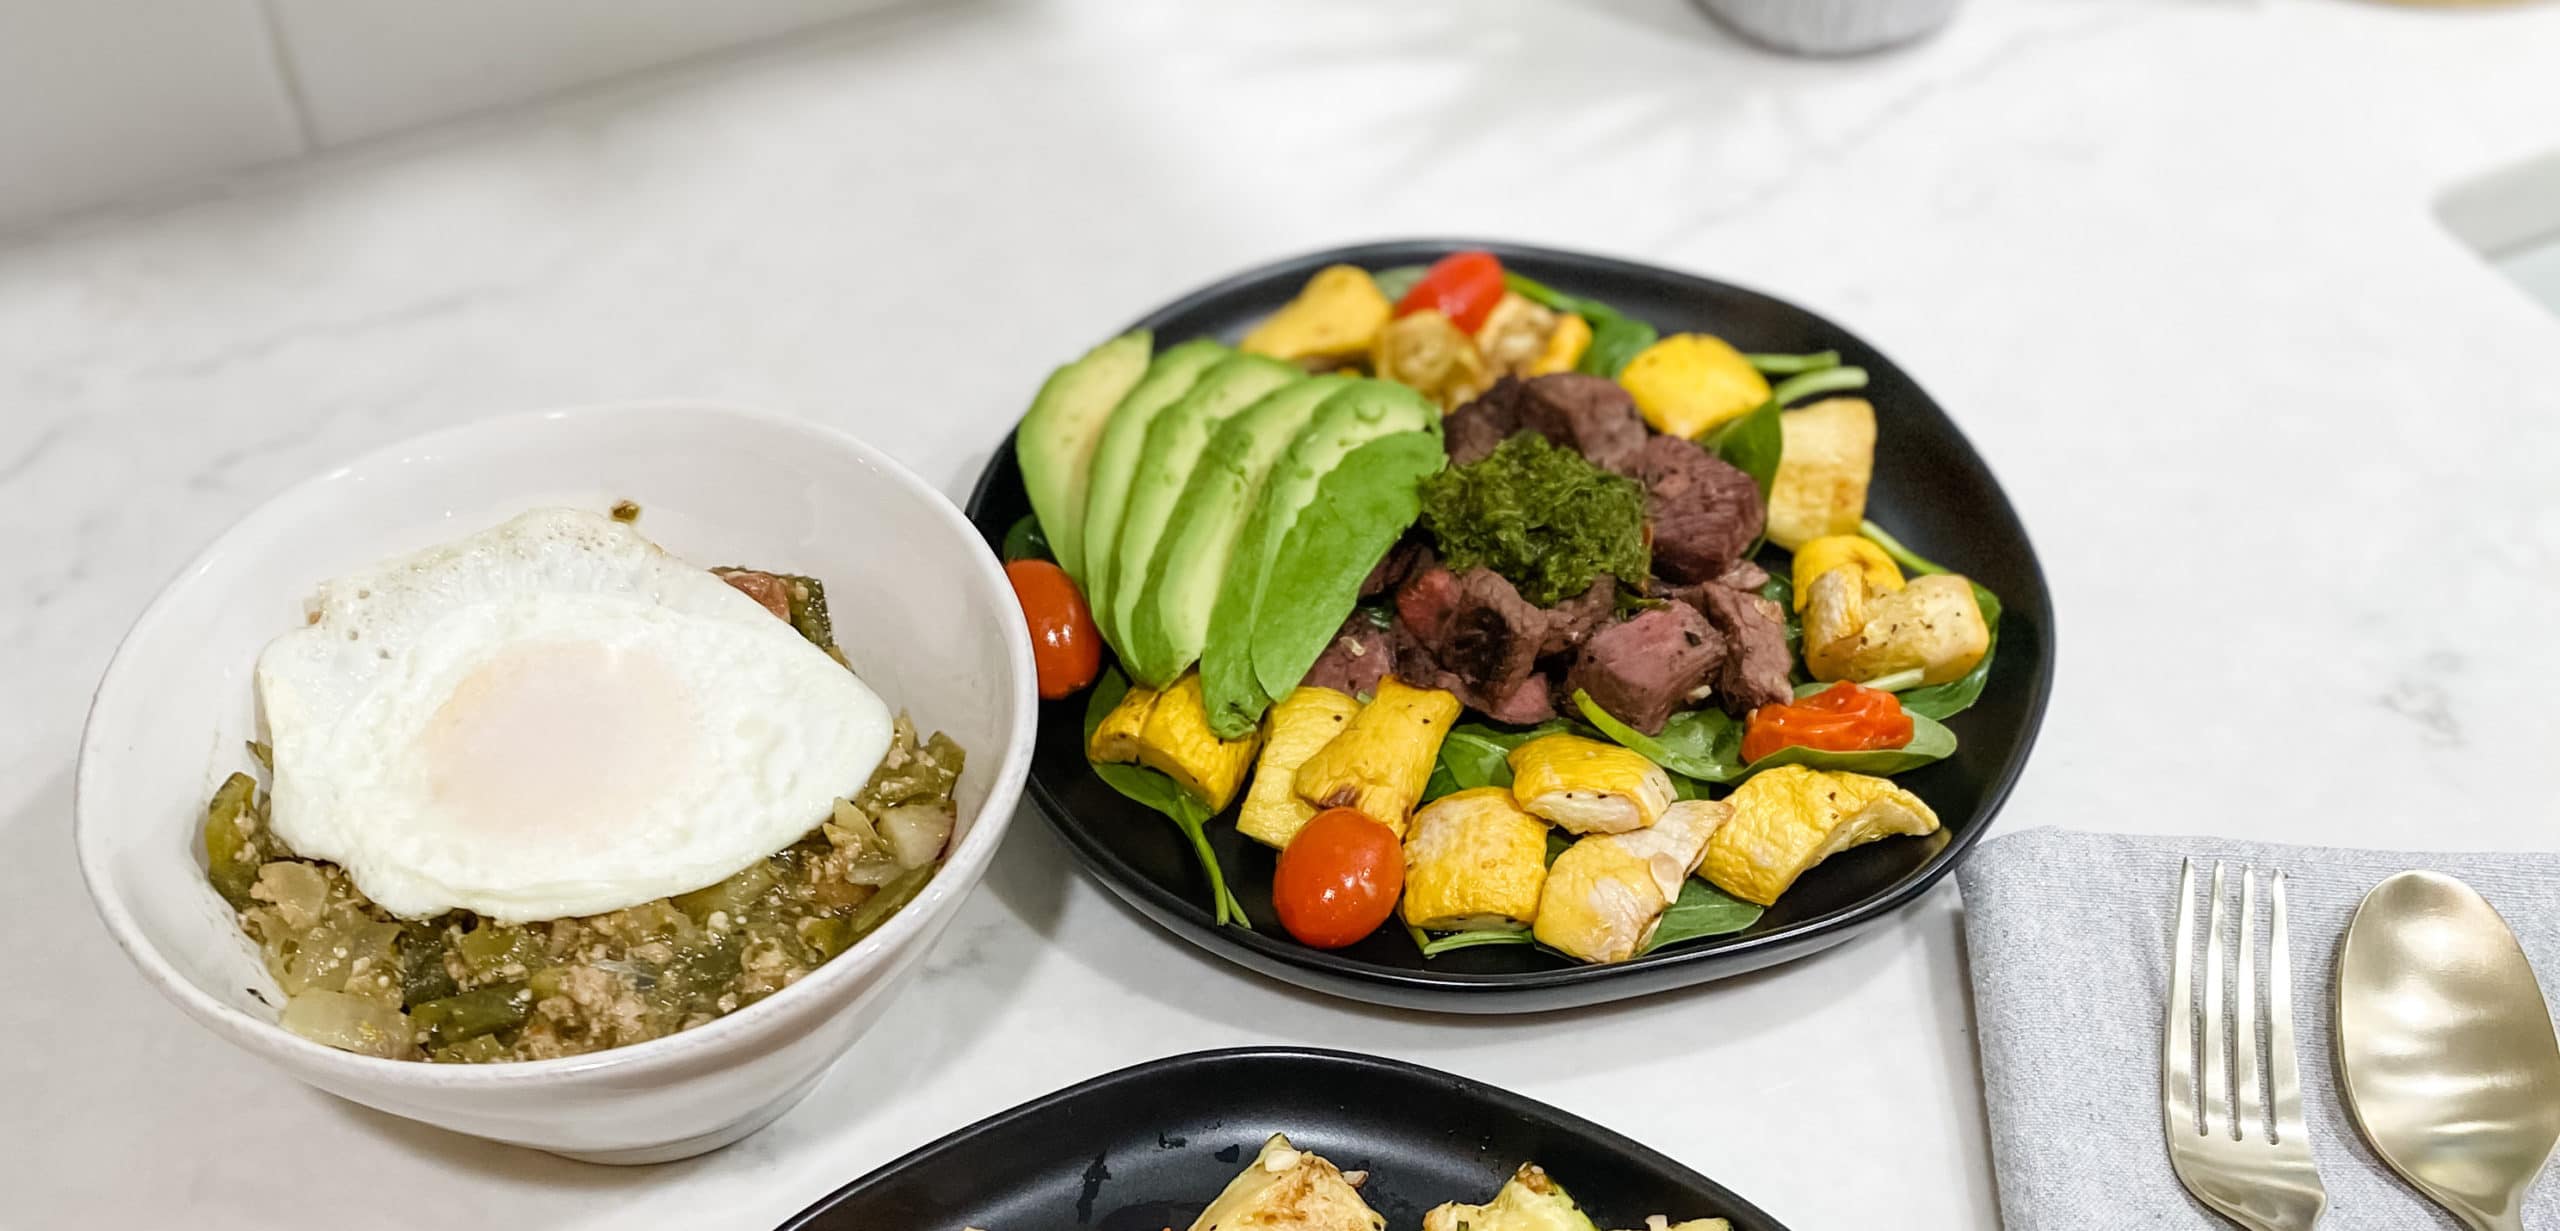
{"x": 1931, "y": 489}
{"x": 1149, "y": 1147}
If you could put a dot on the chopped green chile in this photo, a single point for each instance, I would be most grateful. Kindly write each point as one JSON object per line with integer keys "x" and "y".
{"x": 459, "y": 989}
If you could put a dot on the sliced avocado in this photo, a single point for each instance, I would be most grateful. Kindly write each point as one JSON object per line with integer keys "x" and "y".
{"x": 1056, "y": 441}
{"x": 1115, "y": 456}
{"x": 1353, "y": 416}
{"x": 1191, "y": 557}
{"x": 1359, "y": 511}
{"x": 1174, "y": 443}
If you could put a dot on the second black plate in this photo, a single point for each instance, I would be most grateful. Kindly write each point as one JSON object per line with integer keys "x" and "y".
{"x": 1930, "y": 488}
{"x": 1149, "y": 1147}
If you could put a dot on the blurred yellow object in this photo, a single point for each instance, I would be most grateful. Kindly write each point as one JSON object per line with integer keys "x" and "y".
{"x": 1336, "y": 317}
{"x": 1689, "y": 382}
{"x": 1823, "y": 471}
{"x": 1565, "y": 346}
{"x": 1834, "y": 550}
{"x": 1788, "y": 819}
{"x": 1427, "y": 351}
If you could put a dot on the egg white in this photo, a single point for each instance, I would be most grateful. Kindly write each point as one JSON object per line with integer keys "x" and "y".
{"x": 553, "y": 718}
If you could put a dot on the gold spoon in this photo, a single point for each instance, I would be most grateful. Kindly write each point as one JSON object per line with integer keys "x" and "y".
{"x": 2446, "y": 1047}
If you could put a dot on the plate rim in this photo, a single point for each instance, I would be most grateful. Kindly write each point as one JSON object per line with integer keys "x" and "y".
{"x": 1212, "y": 1060}
{"x": 1333, "y": 974}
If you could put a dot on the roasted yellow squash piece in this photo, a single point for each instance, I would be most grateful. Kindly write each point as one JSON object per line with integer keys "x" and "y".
{"x": 1336, "y": 317}
{"x": 1586, "y": 786}
{"x": 1298, "y": 724}
{"x": 1117, "y": 738}
{"x": 1285, "y": 1188}
{"x": 1688, "y": 383}
{"x": 1853, "y": 632}
{"x": 1788, "y": 819}
{"x": 1565, "y": 346}
{"x": 1606, "y": 894}
{"x": 1428, "y": 352}
{"x": 1177, "y": 741}
{"x": 1529, "y": 1201}
{"x": 1514, "y": 335}
{"x": 1382, "y": 760}
{"x": 1836, "y": 550}
{"x": 1473, "y": 859}
{"x": 1821, "y": 485}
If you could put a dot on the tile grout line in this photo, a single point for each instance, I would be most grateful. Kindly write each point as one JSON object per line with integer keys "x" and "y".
{"x": 288, "y": 75}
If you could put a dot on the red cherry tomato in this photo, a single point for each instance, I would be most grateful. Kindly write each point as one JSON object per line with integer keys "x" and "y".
{"x": 1338, "y": 879}
{"x": 1064, "y": 644}
{"x": 1463, "y": 286}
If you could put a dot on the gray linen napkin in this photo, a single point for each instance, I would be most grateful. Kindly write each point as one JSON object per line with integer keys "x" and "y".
{"x": 2069, "y": 941}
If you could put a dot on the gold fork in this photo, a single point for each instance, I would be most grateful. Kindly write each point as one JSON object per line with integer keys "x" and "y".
{"x": 2256, "y": 1173}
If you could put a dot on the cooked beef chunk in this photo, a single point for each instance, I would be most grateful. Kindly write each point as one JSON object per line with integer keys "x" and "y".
{"x": 1403, "y": 560}
{"x": 1531, "y": 703}
{"x": 1572, "y": 620}
{"x": 1592, "y": 415}
{"x": 1355, "y": 661}
{"x": 1471, "y": 431}
{"x": 1744, "y": 575}
{"x": 1756, "y": 664}
{"x": 1469, "y": 633}
{"x": 1642, "y": 669}
{"x": 1702, "y": 510}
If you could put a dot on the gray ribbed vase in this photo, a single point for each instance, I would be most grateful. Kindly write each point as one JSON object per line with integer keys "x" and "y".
{"x": 1831, "y": 27}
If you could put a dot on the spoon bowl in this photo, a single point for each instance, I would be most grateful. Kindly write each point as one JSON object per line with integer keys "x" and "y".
{"x": 2446, "y": 1048}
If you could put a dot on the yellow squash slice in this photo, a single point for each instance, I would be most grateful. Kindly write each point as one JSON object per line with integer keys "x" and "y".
{"x": 1606, "y": 894}
{"x": 1688, "y": 383}
{"x": 1382, "y": 760}
{"x": 1586, "y": 786}
{"x": 1335, "y": 318}
{"x": 1298, "y": 725}
{"x": 1788, "y": 819}
{"x": 1176, "y": 740}
{"x": 1473, "y": 860}
{"x": 1821, "y": 484}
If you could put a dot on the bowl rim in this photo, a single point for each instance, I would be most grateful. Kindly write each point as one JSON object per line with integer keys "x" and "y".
{"x": 671, "y": 1052}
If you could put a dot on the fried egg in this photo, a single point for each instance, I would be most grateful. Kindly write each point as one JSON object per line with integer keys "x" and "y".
{"x": 553, "y": 718}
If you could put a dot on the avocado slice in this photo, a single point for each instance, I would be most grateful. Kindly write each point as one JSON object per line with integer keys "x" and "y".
{"x": 1056, "y": 440}
{"x": 1191, "y": 557}
{"x": 1115, "y": 457}
{"x": 1353, "y": 416}
{"x": 1174, "y": 444}
{"x": 1358, "y": 513}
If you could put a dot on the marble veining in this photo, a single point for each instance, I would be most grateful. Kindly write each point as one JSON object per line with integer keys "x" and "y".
{"x": 2284, "y": 445}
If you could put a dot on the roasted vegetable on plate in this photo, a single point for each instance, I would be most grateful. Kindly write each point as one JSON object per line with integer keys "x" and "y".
{"x": 1497, "y": 609}
{"x": 1285, "y": 1188}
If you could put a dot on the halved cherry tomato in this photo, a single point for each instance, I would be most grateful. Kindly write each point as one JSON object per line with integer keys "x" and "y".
{"x": 1064, "y": 644}
{"x": 1464, "y": 286}
{"x": 1845, "y": 717}
{"x": 1338, "y": 879}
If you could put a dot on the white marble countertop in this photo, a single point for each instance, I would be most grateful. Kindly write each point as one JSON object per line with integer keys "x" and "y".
{"x": 2285, "y": 445}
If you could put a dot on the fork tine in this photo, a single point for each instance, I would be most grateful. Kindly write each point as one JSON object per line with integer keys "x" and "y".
{"x": 2178, "y": 1054}
{"x": 2287, "y": 1082}
{"x": 2249, "y": 1108}
{"x": 2217, "y": 1073}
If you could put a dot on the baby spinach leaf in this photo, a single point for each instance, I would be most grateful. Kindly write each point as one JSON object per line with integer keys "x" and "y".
{"x": 1146, "y": 786}
{"x": 1024, "y": 541}
{"x": 1703, "y": 910}
{"x": 1395, "y": 281}
{"x": 1794, "y": 365}
{"x": 1476, "y": 755}
{"x": 1752, "y": 444}
{"x": 1701, "y": 744}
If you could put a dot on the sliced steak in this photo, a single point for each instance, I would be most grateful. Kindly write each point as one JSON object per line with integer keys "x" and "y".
{"x": 1592, "y": 415}
{"x": 1703, "y": 512}
{"x": 1409, "y": 556}
{"x": 1424, "y": 604}
{"x": 1533, "y": 702}
{"x": 1471, "y": 431}
{"x": 1572, "y": 620}
{"x": 1356, "y": 659}
{"x": 1744, "y": 575}
{"x": 1756, "y": 666}
{"x": 1642, "y": 669}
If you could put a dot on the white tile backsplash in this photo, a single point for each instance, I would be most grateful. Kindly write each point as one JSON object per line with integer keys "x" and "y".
{"x": 368, "y": 67}
{"x": 102, "y": 99}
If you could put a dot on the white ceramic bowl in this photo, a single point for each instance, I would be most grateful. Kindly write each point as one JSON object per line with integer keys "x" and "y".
{"x": 920, "y": 606}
